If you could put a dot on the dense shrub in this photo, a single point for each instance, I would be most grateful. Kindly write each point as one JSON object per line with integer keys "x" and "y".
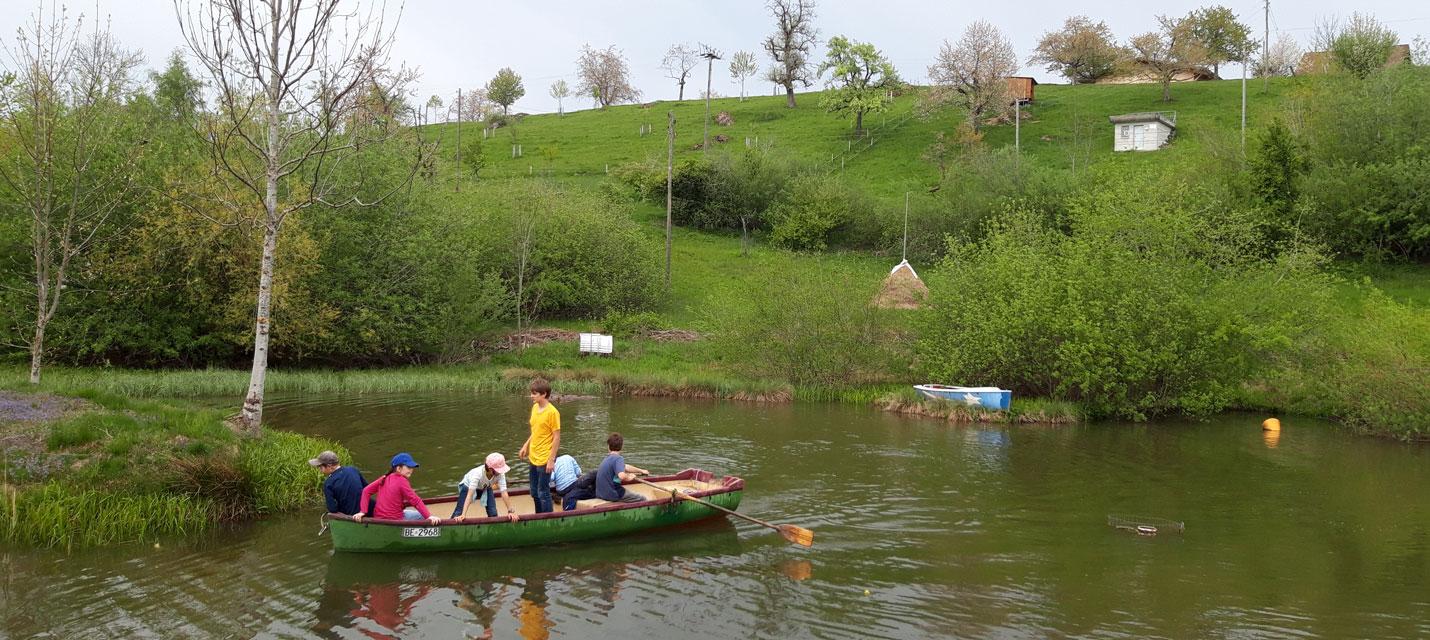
{"x": 809, "y": 328}
{"x": 980, "y": 185}
{"x": 584, "y": 256}
{"x": 1369, "y": 142}
{"x": 816, "y": 211}
{"x": 1367, "y": 367}
{"x": 1156, "y": 301}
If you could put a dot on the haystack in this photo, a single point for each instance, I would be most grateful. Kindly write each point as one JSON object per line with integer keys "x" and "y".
{"x": 902, "y": 289}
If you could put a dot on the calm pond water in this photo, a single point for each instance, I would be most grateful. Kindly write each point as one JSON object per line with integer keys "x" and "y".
{"x": 923, "y": 530}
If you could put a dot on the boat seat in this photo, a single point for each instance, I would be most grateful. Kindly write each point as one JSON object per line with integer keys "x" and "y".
{"x": 591, "y": 502}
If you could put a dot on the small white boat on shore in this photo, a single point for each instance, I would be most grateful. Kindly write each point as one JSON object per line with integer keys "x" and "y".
{"x": 990, "y": 398}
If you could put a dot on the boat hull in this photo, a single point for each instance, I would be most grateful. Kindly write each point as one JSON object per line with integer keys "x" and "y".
{"x": 606, "y": 520}
{"x": 990, "y": 398}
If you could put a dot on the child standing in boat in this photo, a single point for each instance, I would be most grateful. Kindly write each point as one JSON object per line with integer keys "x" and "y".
{"x": 541, "y": 447}
{"x": 395, "y": 498}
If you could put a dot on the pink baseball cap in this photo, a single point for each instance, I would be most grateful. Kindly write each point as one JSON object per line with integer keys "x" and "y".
{"x": 497, "y": 462}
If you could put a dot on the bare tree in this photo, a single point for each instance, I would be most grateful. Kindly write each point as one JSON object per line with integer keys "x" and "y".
{"x": 790, "y": 45}
{"x": 743, "y": 65}
{"x": 560, "y": 91}
{"x": 679, "y": 60}
{"x": 288, "y": 78}
{"x": 1280, "y": 59}
{"x": 471, "y": 105}
{"x": 972, "y": 74}
{"x": 605, "y": 76}
{"x": 1171, "y": 49}
{"x": 67, "y": 165}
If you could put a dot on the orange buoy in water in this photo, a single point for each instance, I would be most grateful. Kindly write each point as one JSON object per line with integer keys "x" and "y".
{"x": 1271, "y": 424}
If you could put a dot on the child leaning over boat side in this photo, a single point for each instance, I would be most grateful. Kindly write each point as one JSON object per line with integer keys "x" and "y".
{"x": 477, "y": 486}
{"x": 541, "y": 447}
{"x": 395, "y": 498}
{"x": 614, "y": 470}
{"x": 564, "y": 479}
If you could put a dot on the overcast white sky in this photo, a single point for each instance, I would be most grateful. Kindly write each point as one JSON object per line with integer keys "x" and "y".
{"x": 463, "y": 43}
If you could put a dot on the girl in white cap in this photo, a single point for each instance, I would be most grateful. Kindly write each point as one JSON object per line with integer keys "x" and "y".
{"x": 476, "y": 486}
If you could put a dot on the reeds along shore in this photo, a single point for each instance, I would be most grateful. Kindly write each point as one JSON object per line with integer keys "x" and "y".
{"x": 105, "y": 469}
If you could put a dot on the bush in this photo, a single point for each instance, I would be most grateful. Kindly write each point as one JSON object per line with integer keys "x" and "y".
{"x": 809, "y": 327}
{"x": 1155, "y": 302}
{"x": 584, "y": 256}
{"x": 1367, "y": 368}
{"x": 815, "y": 212}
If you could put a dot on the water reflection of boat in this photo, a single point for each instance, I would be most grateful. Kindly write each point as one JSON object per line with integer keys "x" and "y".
{"x": 592, "y": 519}
{"x": 411, "y": 594}
{"x": 991, "y": 398}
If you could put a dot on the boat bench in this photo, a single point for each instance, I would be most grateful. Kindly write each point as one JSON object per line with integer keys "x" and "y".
{"x": 598, "y": 344}
{"x": 592, "y": 502}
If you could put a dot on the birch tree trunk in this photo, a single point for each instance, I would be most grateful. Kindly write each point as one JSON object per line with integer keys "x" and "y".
{"x": 252, "y": 413}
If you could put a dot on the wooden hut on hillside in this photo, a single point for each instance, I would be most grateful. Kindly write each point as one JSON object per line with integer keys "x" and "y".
{"x": 1021, "y": 88}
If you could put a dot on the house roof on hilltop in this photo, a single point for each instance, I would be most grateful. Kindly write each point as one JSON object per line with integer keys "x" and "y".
{"x": 1168, "y": 118}
{"x": 1320, "y": 61}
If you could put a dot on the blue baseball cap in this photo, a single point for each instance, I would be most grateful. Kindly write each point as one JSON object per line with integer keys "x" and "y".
{"x": 404, "y": 459}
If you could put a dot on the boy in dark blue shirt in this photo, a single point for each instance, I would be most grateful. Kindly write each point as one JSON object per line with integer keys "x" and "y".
{"x": 343, "y": 487}
{"x": 613, "y": 471}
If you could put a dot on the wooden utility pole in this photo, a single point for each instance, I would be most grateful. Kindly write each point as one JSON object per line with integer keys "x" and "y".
{"x": 1243, "y": 103}
{"x": 1266, "y": 45}
{"x": 710, "y": 56}
{"x": 669, "y": 176}
{"x": 459, "y": 141}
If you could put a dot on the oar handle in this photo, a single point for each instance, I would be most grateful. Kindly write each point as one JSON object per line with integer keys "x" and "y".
{"x": 707, "y": 503}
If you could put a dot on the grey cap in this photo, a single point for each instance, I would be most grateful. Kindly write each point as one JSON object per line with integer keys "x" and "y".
{"x": 326, "y": 457}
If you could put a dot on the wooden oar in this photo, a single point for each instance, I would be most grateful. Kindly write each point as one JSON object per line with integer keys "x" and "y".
{"x": 798, "y": 535}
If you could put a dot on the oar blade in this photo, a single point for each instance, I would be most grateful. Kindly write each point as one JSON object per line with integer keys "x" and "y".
{"x": 798, "y": 535}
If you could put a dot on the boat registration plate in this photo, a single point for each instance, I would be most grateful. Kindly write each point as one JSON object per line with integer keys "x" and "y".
{"x": 421, "y": 532}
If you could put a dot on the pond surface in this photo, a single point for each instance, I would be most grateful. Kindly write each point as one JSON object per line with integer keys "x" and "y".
{"x": 923, "y": 530}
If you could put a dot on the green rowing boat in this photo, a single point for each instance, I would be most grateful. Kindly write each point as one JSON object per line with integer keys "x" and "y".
{"x": 591, "y": 518}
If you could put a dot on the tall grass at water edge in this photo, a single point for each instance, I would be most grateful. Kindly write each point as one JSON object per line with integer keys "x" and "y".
{"x": 61, "y": 514}
{"x": 137, "y": 469}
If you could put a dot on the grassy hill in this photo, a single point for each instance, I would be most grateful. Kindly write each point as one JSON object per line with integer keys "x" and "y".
{"x": 1066, "y": 127}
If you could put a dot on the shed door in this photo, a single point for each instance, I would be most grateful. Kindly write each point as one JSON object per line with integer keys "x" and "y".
{"x": 1139, "y": 136}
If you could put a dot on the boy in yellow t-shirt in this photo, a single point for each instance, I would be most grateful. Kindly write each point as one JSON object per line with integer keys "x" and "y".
{"x": 541, "y": 447}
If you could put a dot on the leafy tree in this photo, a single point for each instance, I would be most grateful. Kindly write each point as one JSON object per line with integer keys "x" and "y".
{"x": 560, "y": 91}
{"x": 742, "y": 66}
{"x": 1220, "y": 35}
{"x": 1172, "y": 48}
{"x": 1363, "y": 46}
{"x": 972, "y": 74}
{"x": 434, "y": 103}
{"x": 266, "y": 137}
{"x": 176, "y": 91}
{"x": 790, "y": 45}
{"x": 678, "y": 61}
{"x": 1082, "y": 51}
{"x": 473, "y": 159}
{"x": 860, "y": 79}
{"x": 605, "y": 76}
{"x": 67, "y": 154}
{"x": 505, "y": 88}
{"x": 471, "y": 106}
{"x": 1276, "y": 165}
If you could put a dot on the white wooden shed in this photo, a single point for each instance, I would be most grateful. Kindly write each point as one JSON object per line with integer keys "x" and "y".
{"x": 1143, "y": 131}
